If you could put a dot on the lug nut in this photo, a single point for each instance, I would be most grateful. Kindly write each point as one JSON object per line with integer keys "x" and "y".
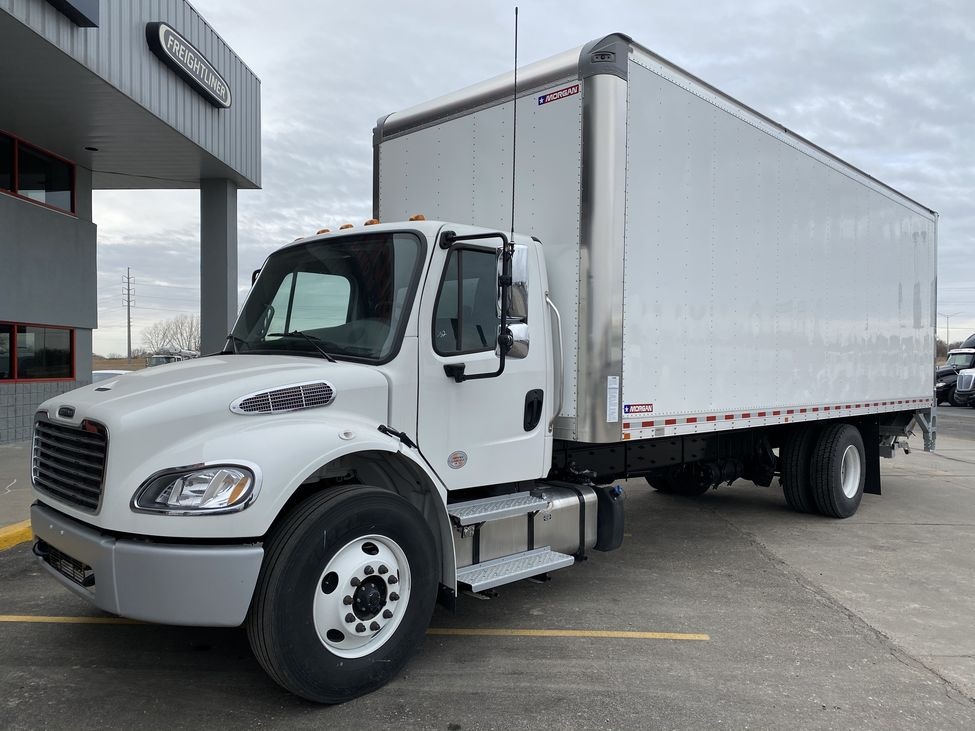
{"x": 350, "y": 618}
{"x": 374, "y": 626}
{"x": 392, "y": 580}
{"x": 355, "y": 581}
{"x": 347, "y": 601}
{"x": 394, "y": 597}
{"x": 360, "y": 627}
{"x": 387, "y": 614}
{"x": 368, "y": 570}
{"x": 383, "y": 569}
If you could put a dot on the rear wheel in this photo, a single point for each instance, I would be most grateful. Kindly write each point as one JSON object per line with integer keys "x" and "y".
{"x": 345, "y": 594}
{"x": 794, "y": 464}
{"x": 838, "y": 470}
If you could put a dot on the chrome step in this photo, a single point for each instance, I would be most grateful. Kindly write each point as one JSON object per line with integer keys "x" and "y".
{"x": 495, "y": 508}
{"x": 504, "y": 570}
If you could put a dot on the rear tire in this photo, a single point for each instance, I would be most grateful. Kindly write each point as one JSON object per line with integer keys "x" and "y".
{"x": 839, "y": 469}
{"x": 345, "y": 593}
{"x": 794, "y": 465}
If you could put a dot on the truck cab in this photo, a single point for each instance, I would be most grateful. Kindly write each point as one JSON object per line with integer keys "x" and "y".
{"x": 367, "y": 380}
{"x": 946, "y": 375}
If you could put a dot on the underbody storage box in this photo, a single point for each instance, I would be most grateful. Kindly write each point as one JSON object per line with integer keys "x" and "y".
{"x": 713, "y": 269}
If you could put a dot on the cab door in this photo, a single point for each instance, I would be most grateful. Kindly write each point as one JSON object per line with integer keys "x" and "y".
{"x": 488, "y": 430}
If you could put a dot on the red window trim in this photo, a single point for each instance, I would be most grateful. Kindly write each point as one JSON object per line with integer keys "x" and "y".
{"x": 13, "y": 193}
{"x": 13, "y": 354}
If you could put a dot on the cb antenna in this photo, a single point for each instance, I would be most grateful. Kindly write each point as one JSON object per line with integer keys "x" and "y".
{"x": 514, "y": 129}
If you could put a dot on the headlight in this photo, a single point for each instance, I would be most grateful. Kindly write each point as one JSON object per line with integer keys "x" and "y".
{"x": 215, "y": 489}
{"x": 940, "y": 384}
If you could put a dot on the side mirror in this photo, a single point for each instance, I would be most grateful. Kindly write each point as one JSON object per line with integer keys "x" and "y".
{"x": 517, "y": 322}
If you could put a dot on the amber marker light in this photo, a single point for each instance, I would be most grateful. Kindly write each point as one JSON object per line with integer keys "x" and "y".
{"x": 371, "y": 222}
{"x": 323, "y": 231}
{"x": 418, "y": 217}
{"x": 345, "y": 226}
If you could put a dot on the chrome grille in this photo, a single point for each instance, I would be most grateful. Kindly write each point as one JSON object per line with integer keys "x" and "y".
{"x": 288, "y": 398}
{"x": 68, "y": 463}
{"x": 965, "y": 382}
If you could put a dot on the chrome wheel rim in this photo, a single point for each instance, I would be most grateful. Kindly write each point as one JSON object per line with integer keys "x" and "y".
{"x": 850, "y": 472}
{"x": 361, "y": 596}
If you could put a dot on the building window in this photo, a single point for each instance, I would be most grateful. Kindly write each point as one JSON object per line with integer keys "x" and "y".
{"x": 31, "y": 173}
{"x": 6, "y": 163}
{"x": 36, "y": 352}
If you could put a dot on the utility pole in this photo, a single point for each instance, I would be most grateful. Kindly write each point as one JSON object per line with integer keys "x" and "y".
{"x": 947, "y": 329}
{"x": 127, "y": 301}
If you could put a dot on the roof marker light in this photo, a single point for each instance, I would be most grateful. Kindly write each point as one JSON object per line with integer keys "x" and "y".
{"x": 323, "y": 231}
{"x": 345, "y": 226}
{"x": 371, "y": 222}
{"x": 418, "y": 217}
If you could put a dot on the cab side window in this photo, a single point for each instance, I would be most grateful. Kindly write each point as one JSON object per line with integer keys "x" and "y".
{"x": 466, "y": 319}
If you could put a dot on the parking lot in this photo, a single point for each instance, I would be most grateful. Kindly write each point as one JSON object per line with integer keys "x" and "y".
{"x": 728, "y": 610}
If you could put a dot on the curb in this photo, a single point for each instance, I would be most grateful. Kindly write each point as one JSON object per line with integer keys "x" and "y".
{"x": 13, "y": 535}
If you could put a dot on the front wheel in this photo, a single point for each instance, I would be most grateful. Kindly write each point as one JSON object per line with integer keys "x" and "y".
{"x": 345, "y": 593}
{"x": 839, "y": 469}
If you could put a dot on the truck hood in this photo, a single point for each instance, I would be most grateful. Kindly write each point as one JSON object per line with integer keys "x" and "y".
{"x": 198, "y": 392}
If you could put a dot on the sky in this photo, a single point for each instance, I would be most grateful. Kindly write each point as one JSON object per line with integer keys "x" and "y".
{"x": 888, "y": 85}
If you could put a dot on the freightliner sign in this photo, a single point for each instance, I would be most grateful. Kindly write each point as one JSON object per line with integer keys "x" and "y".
{"x": 183, "y": 58}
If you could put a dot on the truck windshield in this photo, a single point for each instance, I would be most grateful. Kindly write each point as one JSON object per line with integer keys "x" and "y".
{"x": 350, "y": 296}
{"x": 961, "y": 360}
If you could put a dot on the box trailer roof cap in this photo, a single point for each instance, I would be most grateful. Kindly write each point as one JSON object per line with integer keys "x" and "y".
{"x": 608, "y": 55}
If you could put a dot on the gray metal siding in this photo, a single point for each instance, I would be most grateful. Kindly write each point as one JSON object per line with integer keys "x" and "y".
{"x": 117, "y": 52}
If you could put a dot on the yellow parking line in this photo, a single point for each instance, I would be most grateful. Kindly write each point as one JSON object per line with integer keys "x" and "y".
{"x": 444, "y": 632}
{"x": 11, "y": 535}
{"x": 590, "y": 633}
{"x": 35, "y": 619}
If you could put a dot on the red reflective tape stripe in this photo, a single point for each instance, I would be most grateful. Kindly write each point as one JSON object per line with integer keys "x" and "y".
{"x": 746, "y": 415}
{"x": 776, "y": 413}
{"x": 729, "y": 417}
{"x": 692, "y": 420}
{"x": 669, "y": 422}
{"x": 712, "y": 418}
{"x": 790, "y": 411}
{"x": 647, "y": 423}
{"x": 802, "y": 411}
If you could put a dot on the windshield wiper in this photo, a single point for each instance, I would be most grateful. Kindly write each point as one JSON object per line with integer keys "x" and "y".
{"x": 310, "y": 338}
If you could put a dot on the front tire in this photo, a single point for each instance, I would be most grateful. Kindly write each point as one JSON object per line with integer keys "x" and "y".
{"x": 345, "y": 593}
{"x": 839, "y": 468}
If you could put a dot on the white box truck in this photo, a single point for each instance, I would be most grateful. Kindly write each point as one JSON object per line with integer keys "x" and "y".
{"x": 407, "y": 409}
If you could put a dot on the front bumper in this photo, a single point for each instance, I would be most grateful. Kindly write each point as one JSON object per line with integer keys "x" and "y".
{"x": 964, "y": 398}
{"x": 202, "y": 585}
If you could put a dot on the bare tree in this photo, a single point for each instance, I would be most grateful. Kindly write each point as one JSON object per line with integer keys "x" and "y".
{"x": 181, "y": 332}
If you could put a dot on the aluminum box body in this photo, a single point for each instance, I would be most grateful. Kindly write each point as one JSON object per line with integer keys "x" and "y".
{"x": 713, "y": 270}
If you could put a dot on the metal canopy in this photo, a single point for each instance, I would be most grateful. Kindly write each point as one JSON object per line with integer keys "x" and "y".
{"x": 54, "y": 102}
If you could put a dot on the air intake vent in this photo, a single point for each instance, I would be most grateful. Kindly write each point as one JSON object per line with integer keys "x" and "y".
{"x": 287, "y": 398}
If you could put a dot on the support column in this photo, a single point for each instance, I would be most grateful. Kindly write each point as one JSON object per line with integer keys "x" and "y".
{"x": 218, "y": 262}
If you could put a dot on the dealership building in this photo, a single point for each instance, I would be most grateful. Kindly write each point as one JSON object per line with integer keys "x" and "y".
{"x": 104, "y": 95}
